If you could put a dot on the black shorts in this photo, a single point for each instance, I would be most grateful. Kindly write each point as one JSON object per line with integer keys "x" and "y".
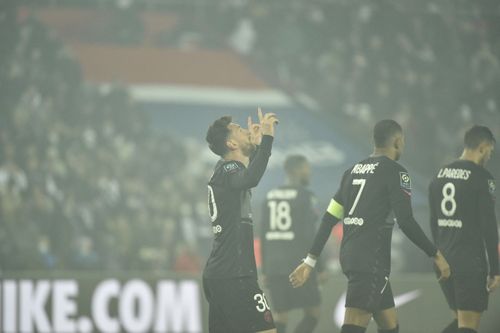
{"x": 284, "y": 297}
{"x": 236, "y": 306}
{"x": 370, "y": 292}
{"x": 466, "y": 291}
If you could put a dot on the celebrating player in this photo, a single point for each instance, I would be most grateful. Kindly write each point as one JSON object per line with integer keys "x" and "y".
{"x": 464, "y": 228}
{"x": 236, "y": 302}
{"x": 368, "y": 193}
{"x": 288, "y": 229}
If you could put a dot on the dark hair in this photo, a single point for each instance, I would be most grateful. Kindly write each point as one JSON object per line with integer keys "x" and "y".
{"x": 292, "y": 162}
{"x": 385, "y": 130}
{"x": 217, "y": 135}
{"x": 476, "y": 135}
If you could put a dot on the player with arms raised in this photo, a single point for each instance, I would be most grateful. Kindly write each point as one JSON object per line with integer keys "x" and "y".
{"x": 236, "y": 302}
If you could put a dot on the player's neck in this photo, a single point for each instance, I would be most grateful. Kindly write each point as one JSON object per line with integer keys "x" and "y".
{"x": 471, "y": 155}
{"x": 389, "y": 153}
{"x": 237, "y": 155}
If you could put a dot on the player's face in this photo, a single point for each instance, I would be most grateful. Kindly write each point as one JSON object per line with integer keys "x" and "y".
{"x": 240, "y": 138}
{"x": 304, "y": 174}
{"x": 487, "y": 150}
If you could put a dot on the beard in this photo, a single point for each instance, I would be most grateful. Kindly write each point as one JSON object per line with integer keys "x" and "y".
{"x": 248, "y": 149}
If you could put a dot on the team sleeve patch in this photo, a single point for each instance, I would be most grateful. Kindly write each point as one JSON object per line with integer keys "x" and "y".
{"x": 491, "y": 186}
{"x": 405, "y": 180}
{"x": 336, "y": 209}
{"x": 231, "y": 167}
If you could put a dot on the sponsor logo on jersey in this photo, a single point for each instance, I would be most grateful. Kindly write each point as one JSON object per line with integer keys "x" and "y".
{"x": 405, "y": 180}
{"x": 450, "y": 223}
{"x": 280, "y": 235}
{"x": 491, "y": 186}
{"x": 354, "y": 221}
{"x": 231, "y": 166}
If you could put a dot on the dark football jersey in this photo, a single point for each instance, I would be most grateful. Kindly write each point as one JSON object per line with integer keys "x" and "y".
{"x": 230, "y": 211}
{"x": 463, "y": 221}
{"x": 288, "y": 227}
{"x": 372, "y": 193}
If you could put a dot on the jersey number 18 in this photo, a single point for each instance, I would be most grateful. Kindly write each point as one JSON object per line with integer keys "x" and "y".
{"x": 280, "y": 215}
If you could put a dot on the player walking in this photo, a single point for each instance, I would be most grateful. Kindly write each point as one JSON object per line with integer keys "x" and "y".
{"x": 287, "y": 231}
{"x": 368, "y": 193}
{"x": 464, "y": 228}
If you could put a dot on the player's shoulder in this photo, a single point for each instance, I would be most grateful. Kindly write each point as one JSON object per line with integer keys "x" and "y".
{"x": 486, "y": 173}
{"x": 477, "y": 171}
{"x": 224, "y": 168}
{"x": 489, "y": 179}
{"x": 392, "y": 170}
{"x": 392, "y": 165}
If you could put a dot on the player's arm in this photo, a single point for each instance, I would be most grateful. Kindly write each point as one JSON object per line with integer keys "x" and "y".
{"x": 400, "y": 197}
{"x": 488, "y": 223}
{"x": 262, "y": 234}
{"x": 250, "y": 177}
{"x": 313, "y": 215}
{"x": 332, "y": 216}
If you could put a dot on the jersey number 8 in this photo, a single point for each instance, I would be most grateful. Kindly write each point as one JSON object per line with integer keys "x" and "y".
{"x": 448, "y": 204}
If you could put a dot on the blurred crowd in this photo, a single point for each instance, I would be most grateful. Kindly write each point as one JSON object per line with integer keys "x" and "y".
{"x": 432, "y": 65}
{"x": 84, "y": 182}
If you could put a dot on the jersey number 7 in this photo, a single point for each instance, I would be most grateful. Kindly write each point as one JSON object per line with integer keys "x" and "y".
{"x": 361, "y": 183}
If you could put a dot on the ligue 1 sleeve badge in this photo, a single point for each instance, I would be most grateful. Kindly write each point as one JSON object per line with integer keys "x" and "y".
{"x": 405, "y": 180}
{"x": 491, "y": 186}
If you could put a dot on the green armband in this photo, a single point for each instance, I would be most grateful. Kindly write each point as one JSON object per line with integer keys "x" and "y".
{"x": 336, "y": 209}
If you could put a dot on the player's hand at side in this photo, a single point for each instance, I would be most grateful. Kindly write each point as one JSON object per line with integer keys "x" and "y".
{"x": 300, "y": 275}
{"x": 442, "y": 265}
{"x": 267, "y": 122}
{"x": 493, "y": 283}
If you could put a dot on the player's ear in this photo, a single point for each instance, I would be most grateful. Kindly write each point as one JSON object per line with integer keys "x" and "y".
{"x": 397, "y": 142}
{"x": 482, "y": 147}
{"x": 231, "y": 145}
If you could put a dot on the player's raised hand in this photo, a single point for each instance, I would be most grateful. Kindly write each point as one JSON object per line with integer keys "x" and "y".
{"x": 255, "y": 131}
{"x": 443, "y": 266}
{"x": 493, "y": 283}
{"x": 300, "y": 275}
{"x": 267, "y": 122}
